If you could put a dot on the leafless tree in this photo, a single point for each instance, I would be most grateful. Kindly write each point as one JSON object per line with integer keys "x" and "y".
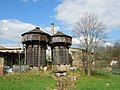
{"x": 89, "y": 30}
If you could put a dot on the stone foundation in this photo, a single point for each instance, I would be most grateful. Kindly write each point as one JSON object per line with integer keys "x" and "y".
{"x": 61, "y": 68}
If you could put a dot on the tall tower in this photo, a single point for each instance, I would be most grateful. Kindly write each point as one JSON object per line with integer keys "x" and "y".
{"x": 35, "y": 43}
{"x": 60, "y": 44}
{"x": 52, "y": 28}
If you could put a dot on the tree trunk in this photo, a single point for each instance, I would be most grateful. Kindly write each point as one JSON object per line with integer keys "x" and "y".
{"x": 84, "y": 61}
{"x": 85, "y": 66}
{"x": 88, "y": 63}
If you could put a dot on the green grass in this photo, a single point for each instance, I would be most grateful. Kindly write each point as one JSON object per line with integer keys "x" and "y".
{"x": 99, "y": 81}
{"x": 116, "y": 71}
{"x": 40, "y": 81}
{"x": 27, "y": 82}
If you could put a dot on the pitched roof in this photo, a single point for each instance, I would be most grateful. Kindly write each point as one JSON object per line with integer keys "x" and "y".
{"x": 59, "y": 33}
{"x": 5, "y": 48}
{"x": 1, "y": 48}
{"x": 36, "y": 30}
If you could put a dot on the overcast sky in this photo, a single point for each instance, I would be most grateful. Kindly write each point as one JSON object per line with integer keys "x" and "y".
{"x": 19, "y": 16}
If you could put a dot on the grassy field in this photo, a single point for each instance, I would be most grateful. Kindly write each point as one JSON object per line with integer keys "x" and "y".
{"x": 99, "y": 81}
{"x": 26, "y": 82}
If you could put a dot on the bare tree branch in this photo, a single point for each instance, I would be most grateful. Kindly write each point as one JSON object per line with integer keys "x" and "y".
{"x": 91, "y": 30}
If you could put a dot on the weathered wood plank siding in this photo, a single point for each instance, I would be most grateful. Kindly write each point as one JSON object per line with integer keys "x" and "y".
{"x": 60, "y": 44}
{"x": 35, "y": 42}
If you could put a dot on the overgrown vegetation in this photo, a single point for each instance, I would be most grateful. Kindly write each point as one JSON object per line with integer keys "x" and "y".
{"x": 98, "y": 81}
{"x": 105, "y": 55}
{"x": 89, "y": 30}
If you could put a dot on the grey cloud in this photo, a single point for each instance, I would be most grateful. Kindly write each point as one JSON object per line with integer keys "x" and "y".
{"x": 12, "y": 29}
{"x": 68, "y": 11}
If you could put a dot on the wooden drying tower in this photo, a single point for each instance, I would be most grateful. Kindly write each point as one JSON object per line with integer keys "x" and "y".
{"x": 60, "y": 44}
{"x": 35, "y": 43}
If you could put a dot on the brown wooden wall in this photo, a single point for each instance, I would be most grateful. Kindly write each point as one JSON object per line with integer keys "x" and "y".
{"x": 35, "y": 37}
{"x": 61, "y": 39}
{"x": 36, "y": 55}
{"x": 61, "y": 55}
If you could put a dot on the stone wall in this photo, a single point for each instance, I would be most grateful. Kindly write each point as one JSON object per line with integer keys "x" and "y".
{"x": 1, "y": 66}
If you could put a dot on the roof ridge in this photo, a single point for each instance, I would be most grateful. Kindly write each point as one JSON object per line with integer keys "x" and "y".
{"x": 36, "y": 30}
{"x": 59, "y": 33}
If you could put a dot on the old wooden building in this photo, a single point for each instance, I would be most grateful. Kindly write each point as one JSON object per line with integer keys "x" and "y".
{"x": 60, "y": 44}
{"x": 12, "y": 56}
{"x": 35, "y": 43}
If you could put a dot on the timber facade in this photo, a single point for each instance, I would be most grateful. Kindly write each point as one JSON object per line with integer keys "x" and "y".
{"x": 60, "y": 44}
{"x": 36, "y": 42}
